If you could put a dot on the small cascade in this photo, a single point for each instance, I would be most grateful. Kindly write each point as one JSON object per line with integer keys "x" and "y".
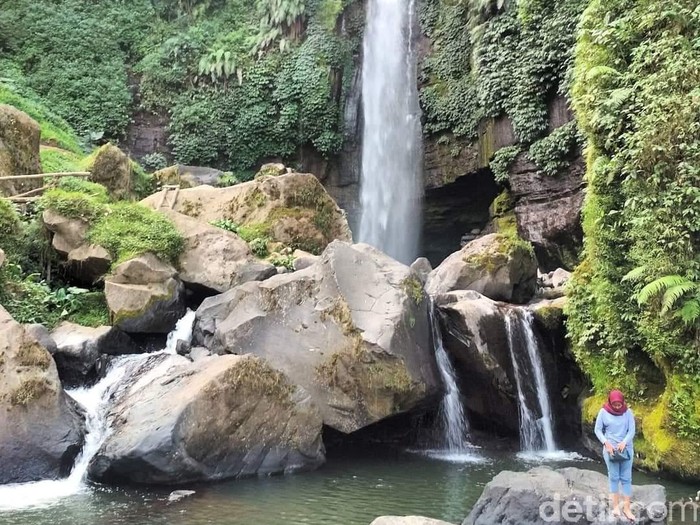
{"x": 182, "y": 332}
{"x": 454, "y": 421}
{"x": 536, "y": 424}
{"x": 96, "y": 401}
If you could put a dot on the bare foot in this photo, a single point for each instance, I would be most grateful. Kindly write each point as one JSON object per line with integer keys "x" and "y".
{"x": 630, "y": 515}
{"x": 616, "y": 512}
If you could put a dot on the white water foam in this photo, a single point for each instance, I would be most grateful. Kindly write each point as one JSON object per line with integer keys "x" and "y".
{"x": 182, "y": 332}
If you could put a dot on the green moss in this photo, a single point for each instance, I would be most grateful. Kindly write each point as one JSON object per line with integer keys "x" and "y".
{"x": 79, "y": 185}
{"x": 74, "y": 204}
{"x": 143, "y": 184}
{"x": 129, "y": 229}
{"x": 54, "y": 130}
{"x": 550, "y": 317}
{"x": 9, "y": 221}
{"x": 413, "y": 288}
{"x": 55, "y": 160}
{"x": 29, "y": 390}
{"x": 91, "y": 310}
{"x": 502, "y": 205}
{"x": 256, "y": 376}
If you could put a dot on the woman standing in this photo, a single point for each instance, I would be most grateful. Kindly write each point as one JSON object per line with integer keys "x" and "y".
{"x": 615, "y": 429}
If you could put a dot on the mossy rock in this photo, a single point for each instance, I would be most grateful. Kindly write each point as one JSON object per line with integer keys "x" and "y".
{"x": 20, "y": 136}
{"x": 112, "y": 168}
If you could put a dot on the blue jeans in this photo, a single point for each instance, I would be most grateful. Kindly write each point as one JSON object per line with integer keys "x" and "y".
{"x": 619, "y": 473}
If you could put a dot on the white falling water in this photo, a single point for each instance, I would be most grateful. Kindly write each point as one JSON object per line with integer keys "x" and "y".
{"x": 536, "y": 433}
{"x": 391, "y": 180}
{"x": 181, "y": 332}
{"x": 96, "y": 402}
{"x": 454, "y": 421}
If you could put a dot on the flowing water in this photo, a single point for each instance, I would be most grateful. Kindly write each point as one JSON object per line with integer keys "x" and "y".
{"x": 536, "y": 428}
{"x": 391, "y": 181}
{"x": 351, "y": 489}
{"x": 96, "y": 402}
{"x": 456, "y": 445}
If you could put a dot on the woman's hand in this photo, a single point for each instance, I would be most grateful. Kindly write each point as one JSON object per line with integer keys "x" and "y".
{"x": 609, "y": 447}
{"x": 622, "y": 446}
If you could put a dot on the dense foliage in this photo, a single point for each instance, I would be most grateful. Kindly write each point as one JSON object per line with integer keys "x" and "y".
{"x": 634, "y": 303}
{"x": 494, "y": 58}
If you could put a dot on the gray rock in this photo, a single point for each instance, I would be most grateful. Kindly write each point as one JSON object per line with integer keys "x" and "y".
{"x": 42, "y": 429}
{"x": 214, "y": 258}
{"x": 569, "y": 495}
{"x": 490, "y": 265}
{"x": 422, "y": 267}
{"x": 303, "y": 259}
{"x": 68, "y": 234}
{"x": 89, "y": 262}
{"x": 43, "y": 336}
{"x": 407, "y": 520}
{"x": 221, "y": 417}
{"x": 79, "y": 350}
{"x": 144, "y": 295}
{"x": 352, "y": 330}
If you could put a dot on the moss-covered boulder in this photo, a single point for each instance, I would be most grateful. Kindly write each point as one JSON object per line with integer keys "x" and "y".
{"x": 293, "y": 209}
{"x": 19, "y": 150}
{"x": 219, "y": 417}
{"x": 213, "y": 258}
{"x": 41, "y": 430}
{"x": 144, "y": 295}
{"x": 500, "y": 266}
{"x": 112, "y": 168}
{"x": 352, "y": 330}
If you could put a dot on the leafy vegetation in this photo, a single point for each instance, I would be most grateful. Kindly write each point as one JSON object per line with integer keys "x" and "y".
{"x": 492, "y": 58}
{"x": 633, "y": 309}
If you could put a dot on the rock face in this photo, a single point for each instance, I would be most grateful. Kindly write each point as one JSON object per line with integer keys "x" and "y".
{"x": 41, "y": 430}
{"x": 221, "y": 417}
{"x": 293, "y": 209}
{"x": 352, "y": 330}
{"x": 79, "y": 350}
{"x": 214, "y": 258}
{"x": 475, "y": 334}
{"x": 548, "y": 211}
{"x": 19, "y": 150}
{"x": 111, "y": 167}
{"x": 567, "y": 495}
{"x": 492, "y": 265}
{"x": 144, "y": 295}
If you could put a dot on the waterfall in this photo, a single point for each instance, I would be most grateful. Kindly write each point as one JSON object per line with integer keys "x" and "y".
{"x": 454, "y": 421}
{"x": 536, "y": 433}
{"x": 391, "y": 180}
{"x": 96, "y": 402}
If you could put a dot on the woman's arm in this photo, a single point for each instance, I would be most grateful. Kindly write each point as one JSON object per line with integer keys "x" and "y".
{"x": 599, "y": 427}
{"x": 631, "y": 429}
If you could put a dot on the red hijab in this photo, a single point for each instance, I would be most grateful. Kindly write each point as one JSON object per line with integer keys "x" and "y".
{"x": 615, "y": 395}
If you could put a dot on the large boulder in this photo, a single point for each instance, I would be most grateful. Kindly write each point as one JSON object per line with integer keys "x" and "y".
{"x": 351, "y": 329}
{"x": 477, "y": 336}
{"x": 41, "y": 431}
{"x": 68, "y": 234}
{"x": 495, "y": 265}
{"x": 111, "y": 167}
{"x": 293, "y": 209}
{"x": 544, "y": 496}
{"x": 144, "y": 295}
{"x": 220, "y": 417}
{"x": 214, "y": 258}
{"x": 79, "y": 350}
{"x": 19, "y": 150}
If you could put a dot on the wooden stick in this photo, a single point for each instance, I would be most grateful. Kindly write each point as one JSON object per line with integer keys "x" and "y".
{"x": 31, "y": 192}
{"x": 22, "y": 199}
{"x": 42, "y": 175}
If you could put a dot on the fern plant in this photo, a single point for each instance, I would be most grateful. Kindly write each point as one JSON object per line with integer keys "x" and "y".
{"x": 678, "y": 294}
{"x": 280, "y": 19}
